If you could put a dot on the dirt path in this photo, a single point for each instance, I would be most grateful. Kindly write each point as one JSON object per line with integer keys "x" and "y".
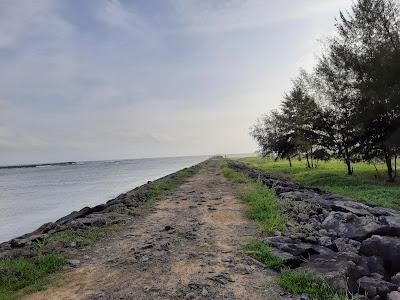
{"x": 186, "y": 247}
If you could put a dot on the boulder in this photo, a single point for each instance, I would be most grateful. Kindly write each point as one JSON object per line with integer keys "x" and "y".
{"x": 340, "y": 269}
{"x": 396, "y": 279}
{"x": 347, "y": 245}
{"x": 350, "y": 226}
{"x": 386, "y": 247}
{"x": 353, "y": 207}
{"x": 374, "y": 286}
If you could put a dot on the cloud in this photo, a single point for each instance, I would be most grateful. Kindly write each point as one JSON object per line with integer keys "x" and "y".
{"x": 112, "y": 79}
{"x": 21, "y": 20}
{"x": 229, "y": 15}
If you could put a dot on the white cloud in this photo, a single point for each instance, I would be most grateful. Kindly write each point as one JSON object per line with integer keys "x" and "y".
{"x": 220, "y": 16}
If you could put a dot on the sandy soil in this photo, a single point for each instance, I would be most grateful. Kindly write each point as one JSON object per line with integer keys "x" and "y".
{"x": 188, "y": 246}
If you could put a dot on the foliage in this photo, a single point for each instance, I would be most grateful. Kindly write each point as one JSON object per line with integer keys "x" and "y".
{"x": 263, "y": 253}
{"x": 304, "y": 282}
{"x": 27, "y": 275}
{"x": 349, "y": 106}
{"x": 262, "y": 204}
{"x": 366, "y": 184}
{"x": 160, "y": 188}
{"x": 69, "y": 236}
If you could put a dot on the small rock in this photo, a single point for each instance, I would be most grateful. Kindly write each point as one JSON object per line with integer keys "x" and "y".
{"x": 74, "y": 262}
{"x": 168, "y": 228}
{"x": 204, "y": 292}
{"x": 190, "y": 296}
{"x": 303, "y": 217}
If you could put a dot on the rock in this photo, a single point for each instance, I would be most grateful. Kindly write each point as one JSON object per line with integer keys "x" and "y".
{"x": 386, "y": 247}
{"x": 291, "y": 246}
{"x": 204, "y": 292}
{"x": 340, "y": 269}
{"x": 303, "y": 217}
{"x": 393, "y": 295}
{"x": 347, "y": 245}
{"x": 350, "y": 226}
{"x": 17, "y": 252}
{"x": 74, "y": 262}
{"x": 396, "y": 279}
{"x": 222, "y": 278}
{"x": 353, "y": 207}
{"x": 327, "y": 242}
{"x": 190, "y": 296}
{"x": 373, "y": 286}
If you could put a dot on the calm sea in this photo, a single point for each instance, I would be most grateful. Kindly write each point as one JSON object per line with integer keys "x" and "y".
{"x": 30, "y": 197}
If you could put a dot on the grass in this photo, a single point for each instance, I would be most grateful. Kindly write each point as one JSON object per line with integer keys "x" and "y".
{"x": 262, "y": 205}
{"x": 72, "y": 236}
{"x": 22, "y": 275}
{"x": 305, "y": 282}
{"x": 160, "y": 189}
{"x": 331, "y": 176}
{"x": 263, "y": 253}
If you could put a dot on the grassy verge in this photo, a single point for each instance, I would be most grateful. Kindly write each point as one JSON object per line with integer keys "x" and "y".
{"x": 73, "y": 237}
{"x": 263, "y": 253}
{"x": 18, "y": 276}
{"x": 365, "y": 184}
{"x": 304, "y": 282}
{"x": 262, "y": 205}
{"x": 266, "y": 210}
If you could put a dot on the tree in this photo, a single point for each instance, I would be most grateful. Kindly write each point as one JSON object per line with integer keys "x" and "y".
{"x": 339, "y": 126}
{"x": 368, "y": 45}
{"x": 272, "y": 139}
{"x": 300, "y": 113}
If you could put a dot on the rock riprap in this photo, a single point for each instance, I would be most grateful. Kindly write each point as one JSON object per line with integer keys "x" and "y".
{"x": 354, "y": 245}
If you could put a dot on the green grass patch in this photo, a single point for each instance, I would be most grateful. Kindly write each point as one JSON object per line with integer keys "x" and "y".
{"x": 366, "y": 184}
{"x": 74, "y": 237}
{"x": 262, "y": 205}
{"x": 234, "y": 176}
{"x": 160, "y": 189}
{"x": 304, "y": 282}
{"x": 263, "y": 253}
{"x": 20, "y": 275}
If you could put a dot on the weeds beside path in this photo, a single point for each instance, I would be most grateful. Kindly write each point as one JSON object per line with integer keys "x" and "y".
{"x": 366, "y": 183}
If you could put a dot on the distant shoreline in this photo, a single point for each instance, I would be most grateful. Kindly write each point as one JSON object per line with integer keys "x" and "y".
{"x": 67, "y": 163}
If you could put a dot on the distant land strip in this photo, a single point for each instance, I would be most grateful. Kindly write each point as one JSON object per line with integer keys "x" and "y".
{"x": 67, "y": 163}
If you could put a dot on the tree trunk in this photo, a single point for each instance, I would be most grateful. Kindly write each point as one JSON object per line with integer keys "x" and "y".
{"x": 312, "y": 160}
{"x": 388, "y": 161}
{"x": 308, "y": 161}
{"x": 348, "y": 161}
{"x": 290, "y": 161}
{"x": 349, "y": 169}
{"x": 395, "y": 165}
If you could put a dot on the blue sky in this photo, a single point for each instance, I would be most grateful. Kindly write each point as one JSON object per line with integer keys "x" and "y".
{"x": 108, "y": 79}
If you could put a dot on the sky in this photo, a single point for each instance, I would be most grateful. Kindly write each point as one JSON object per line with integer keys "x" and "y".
{"x": 114, "y": 79}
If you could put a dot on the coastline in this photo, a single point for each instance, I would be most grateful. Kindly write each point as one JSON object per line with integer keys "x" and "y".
{"x": 114, "y": 211}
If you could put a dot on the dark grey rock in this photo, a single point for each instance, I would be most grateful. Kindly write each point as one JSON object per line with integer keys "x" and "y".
{"x": 347, "y": 245}
{"x": 375, "y": 286}
{"x": 386, "y": 247}
{"x": 396, "y": 279}
{"x": 350, "y": 226}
